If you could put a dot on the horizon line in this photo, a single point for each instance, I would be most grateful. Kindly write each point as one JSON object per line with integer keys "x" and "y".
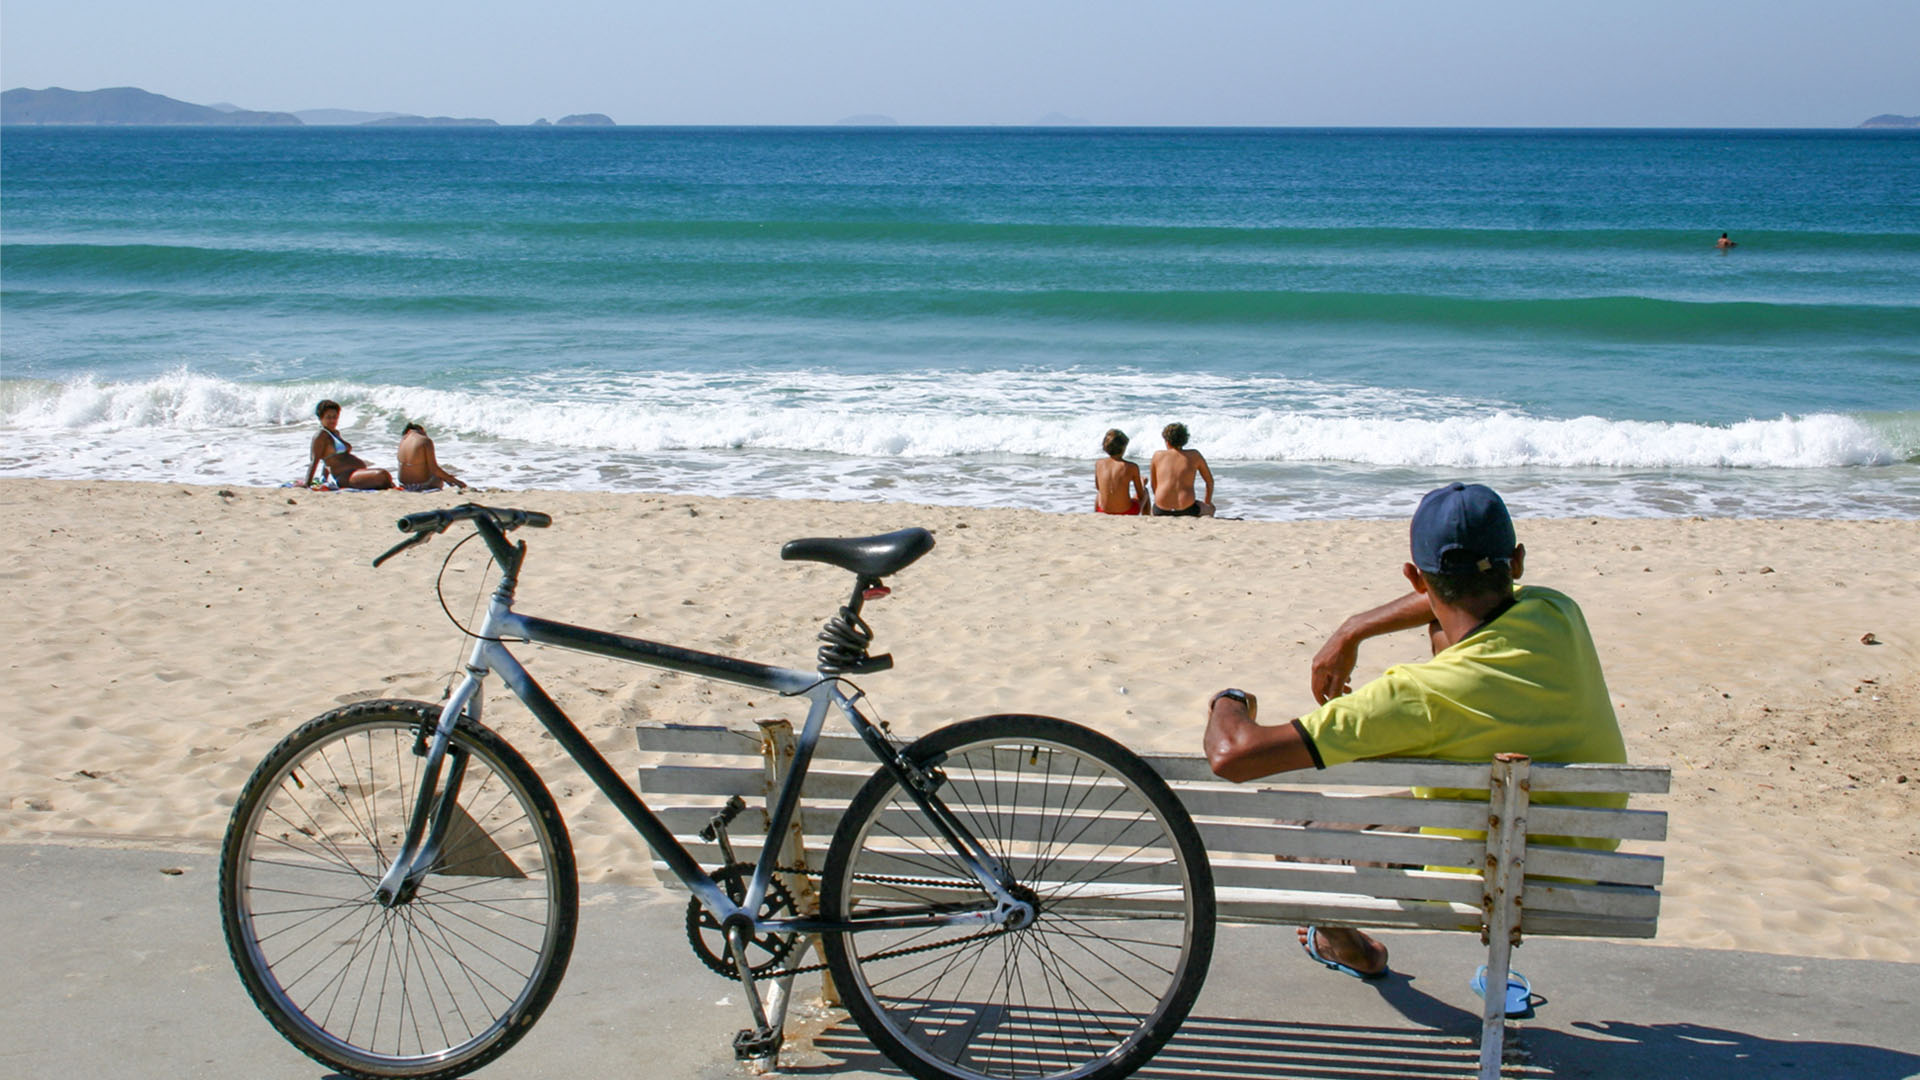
{"x": 899, "y": 126}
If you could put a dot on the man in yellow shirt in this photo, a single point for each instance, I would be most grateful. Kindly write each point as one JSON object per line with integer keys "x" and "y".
{"x": 1513, "y": 671}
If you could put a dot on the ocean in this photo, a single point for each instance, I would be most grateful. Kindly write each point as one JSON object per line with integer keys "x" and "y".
{"x": 1343, "y": 318}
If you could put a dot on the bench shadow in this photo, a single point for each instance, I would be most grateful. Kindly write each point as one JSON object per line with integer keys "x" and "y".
{"x": 1443, "y": 1041}
{"x": 1225, "y": 1047}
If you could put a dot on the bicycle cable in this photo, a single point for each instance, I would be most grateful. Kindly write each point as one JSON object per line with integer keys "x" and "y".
{"x": 440, "y": 593}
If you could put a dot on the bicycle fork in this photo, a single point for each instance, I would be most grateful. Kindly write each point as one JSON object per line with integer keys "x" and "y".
{"x": 434, "y": 806}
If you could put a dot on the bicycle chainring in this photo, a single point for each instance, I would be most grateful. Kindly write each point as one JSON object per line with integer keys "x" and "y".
{"x": 765, "y": 951}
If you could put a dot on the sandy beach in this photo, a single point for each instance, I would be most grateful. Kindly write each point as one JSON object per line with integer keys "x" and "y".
{"x": 165, "y": 636}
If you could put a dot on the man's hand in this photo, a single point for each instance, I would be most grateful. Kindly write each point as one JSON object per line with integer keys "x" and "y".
{"x": 1238, "y": 748}
{"x": 1333, "y": 666}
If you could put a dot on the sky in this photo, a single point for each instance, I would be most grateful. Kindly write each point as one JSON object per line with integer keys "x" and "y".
{"x": 1391, "y": 63}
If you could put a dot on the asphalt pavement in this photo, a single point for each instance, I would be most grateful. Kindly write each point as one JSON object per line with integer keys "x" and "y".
{"x": 112, "y": 967}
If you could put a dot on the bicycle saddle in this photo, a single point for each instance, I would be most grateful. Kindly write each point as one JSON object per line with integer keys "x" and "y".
{"x": 868, "y": 556}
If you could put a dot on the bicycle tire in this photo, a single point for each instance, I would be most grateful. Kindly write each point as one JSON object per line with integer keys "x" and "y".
{"x": 452, "y": 978}
{"x": 1105, "y": 974}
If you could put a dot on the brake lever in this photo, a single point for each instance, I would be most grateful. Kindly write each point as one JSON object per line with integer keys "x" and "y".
{"x": 417, "y": 538}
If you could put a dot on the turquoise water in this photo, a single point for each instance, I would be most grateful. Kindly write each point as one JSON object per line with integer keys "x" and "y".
{"x": 1343, "y": 318}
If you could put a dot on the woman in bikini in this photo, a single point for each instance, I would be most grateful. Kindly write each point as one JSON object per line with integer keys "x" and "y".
{"x": 336, "y": 455}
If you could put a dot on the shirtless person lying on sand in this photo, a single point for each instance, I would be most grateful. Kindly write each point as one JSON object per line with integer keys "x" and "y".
{"x": 336, "y": 454}
{"x": 1116, "y": 479}
{"x": 1173, "y": 472}
{"x": 419, "y": 469}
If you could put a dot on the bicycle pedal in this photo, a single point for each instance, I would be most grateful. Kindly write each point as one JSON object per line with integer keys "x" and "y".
{"x": 717, "y": 826}
{"x": 749, "y": 1044}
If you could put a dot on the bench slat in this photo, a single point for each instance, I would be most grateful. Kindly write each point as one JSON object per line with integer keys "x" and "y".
{"x": 1623, "y": 868}
{"x": 1192, "y": 768}
{"x": 1245, "y": 841}
{"x": 1303, "y": 842}
{"x": 747, "y": 783}
{"x": 1412, "y": 772}
{"x": 1304, "y": 907}
{"x": 1278, "y": 804}
{"x": 1616, "y": 901}
{"x": 698, "y": 739}
{"x": 715, "y": 739}
{"x": 1591, "y": 821}
{"x": 1269, "y": 804}
{"x": 1554, "y": 925}
{"x": 1325, "y": 909}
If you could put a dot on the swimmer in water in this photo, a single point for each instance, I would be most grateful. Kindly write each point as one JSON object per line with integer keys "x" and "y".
{"x": 1724, "y": 243}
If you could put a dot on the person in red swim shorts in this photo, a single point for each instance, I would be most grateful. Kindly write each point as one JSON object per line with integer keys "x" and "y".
{"x": 1116, "y": 479}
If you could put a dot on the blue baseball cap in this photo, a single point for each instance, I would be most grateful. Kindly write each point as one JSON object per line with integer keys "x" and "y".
{"x": 1461, "y": 528}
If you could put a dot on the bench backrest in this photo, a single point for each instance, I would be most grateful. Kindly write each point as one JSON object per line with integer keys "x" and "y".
{"x": 1257, "y": 833}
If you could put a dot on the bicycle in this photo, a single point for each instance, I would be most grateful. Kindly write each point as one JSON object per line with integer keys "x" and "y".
{"x": 399, "y": 896}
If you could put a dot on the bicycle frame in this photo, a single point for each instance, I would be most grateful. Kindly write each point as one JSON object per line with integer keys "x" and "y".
{"x": 490, "y": 655}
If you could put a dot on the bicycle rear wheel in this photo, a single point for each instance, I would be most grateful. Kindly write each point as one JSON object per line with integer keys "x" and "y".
{"x": 1093, "y": 838}
{"x": 432, "y": 987}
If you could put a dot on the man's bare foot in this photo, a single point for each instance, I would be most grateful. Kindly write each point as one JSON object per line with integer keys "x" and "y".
{"x": 1351, "y": 949}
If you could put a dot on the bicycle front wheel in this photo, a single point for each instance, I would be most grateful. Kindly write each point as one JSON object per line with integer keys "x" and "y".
{"x": 431, "y": 987}
{"x": 1092, "y": 838}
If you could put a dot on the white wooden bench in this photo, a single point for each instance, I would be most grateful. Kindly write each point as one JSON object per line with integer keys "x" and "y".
{"x": 1511, "y": 889}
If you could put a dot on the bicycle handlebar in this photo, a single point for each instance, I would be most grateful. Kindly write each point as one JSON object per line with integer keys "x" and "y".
{"x": 505, "y": 517}
{"x": 429, "y": 523}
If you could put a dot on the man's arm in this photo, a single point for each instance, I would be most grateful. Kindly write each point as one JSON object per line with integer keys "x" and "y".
{"x": 1238, "y": 749}
{"x": 1138, "y": 486}
{"x": 1333, "y": 664}
{"x": 1200, "y": 462}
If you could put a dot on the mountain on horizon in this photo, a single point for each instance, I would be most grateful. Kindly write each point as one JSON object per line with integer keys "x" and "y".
{"x": 130, "y": 105}
{"x": 338, "y": 117}
{"x": 122, "y": 105}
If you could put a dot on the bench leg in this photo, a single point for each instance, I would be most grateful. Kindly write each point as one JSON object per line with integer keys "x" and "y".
{"x": 1505, "y": 878}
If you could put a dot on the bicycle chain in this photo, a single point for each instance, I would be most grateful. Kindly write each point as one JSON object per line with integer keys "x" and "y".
{"x": 885, "y": 879}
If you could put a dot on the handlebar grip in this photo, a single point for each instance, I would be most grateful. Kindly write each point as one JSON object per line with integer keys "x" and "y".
{"x": 426, "y": 519}
{"x": 538, "y": 520}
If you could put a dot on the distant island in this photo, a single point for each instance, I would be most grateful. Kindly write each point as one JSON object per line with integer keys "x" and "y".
{"x": 1889, "y": 120}
{"x": 340, "y": 117}
{"x": 129, "y": 105}
{"x": 123, "y": 105}
{"x": 430, "y": 121}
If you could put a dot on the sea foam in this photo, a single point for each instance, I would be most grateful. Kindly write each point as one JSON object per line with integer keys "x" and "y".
{"x": 935, "y": 415}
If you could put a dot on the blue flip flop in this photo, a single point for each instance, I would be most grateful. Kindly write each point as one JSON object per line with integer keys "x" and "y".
{"x": 1519, "y": 991}
{"x": 1306, "y": 943}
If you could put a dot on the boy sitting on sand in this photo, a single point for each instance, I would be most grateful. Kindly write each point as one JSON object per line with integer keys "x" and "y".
{"x": 1116, "y": 479}
{"x": 1173, "y": 471}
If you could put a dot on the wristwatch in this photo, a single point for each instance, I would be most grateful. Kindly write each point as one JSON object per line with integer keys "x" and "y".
{"x": 1232, "y": 692}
